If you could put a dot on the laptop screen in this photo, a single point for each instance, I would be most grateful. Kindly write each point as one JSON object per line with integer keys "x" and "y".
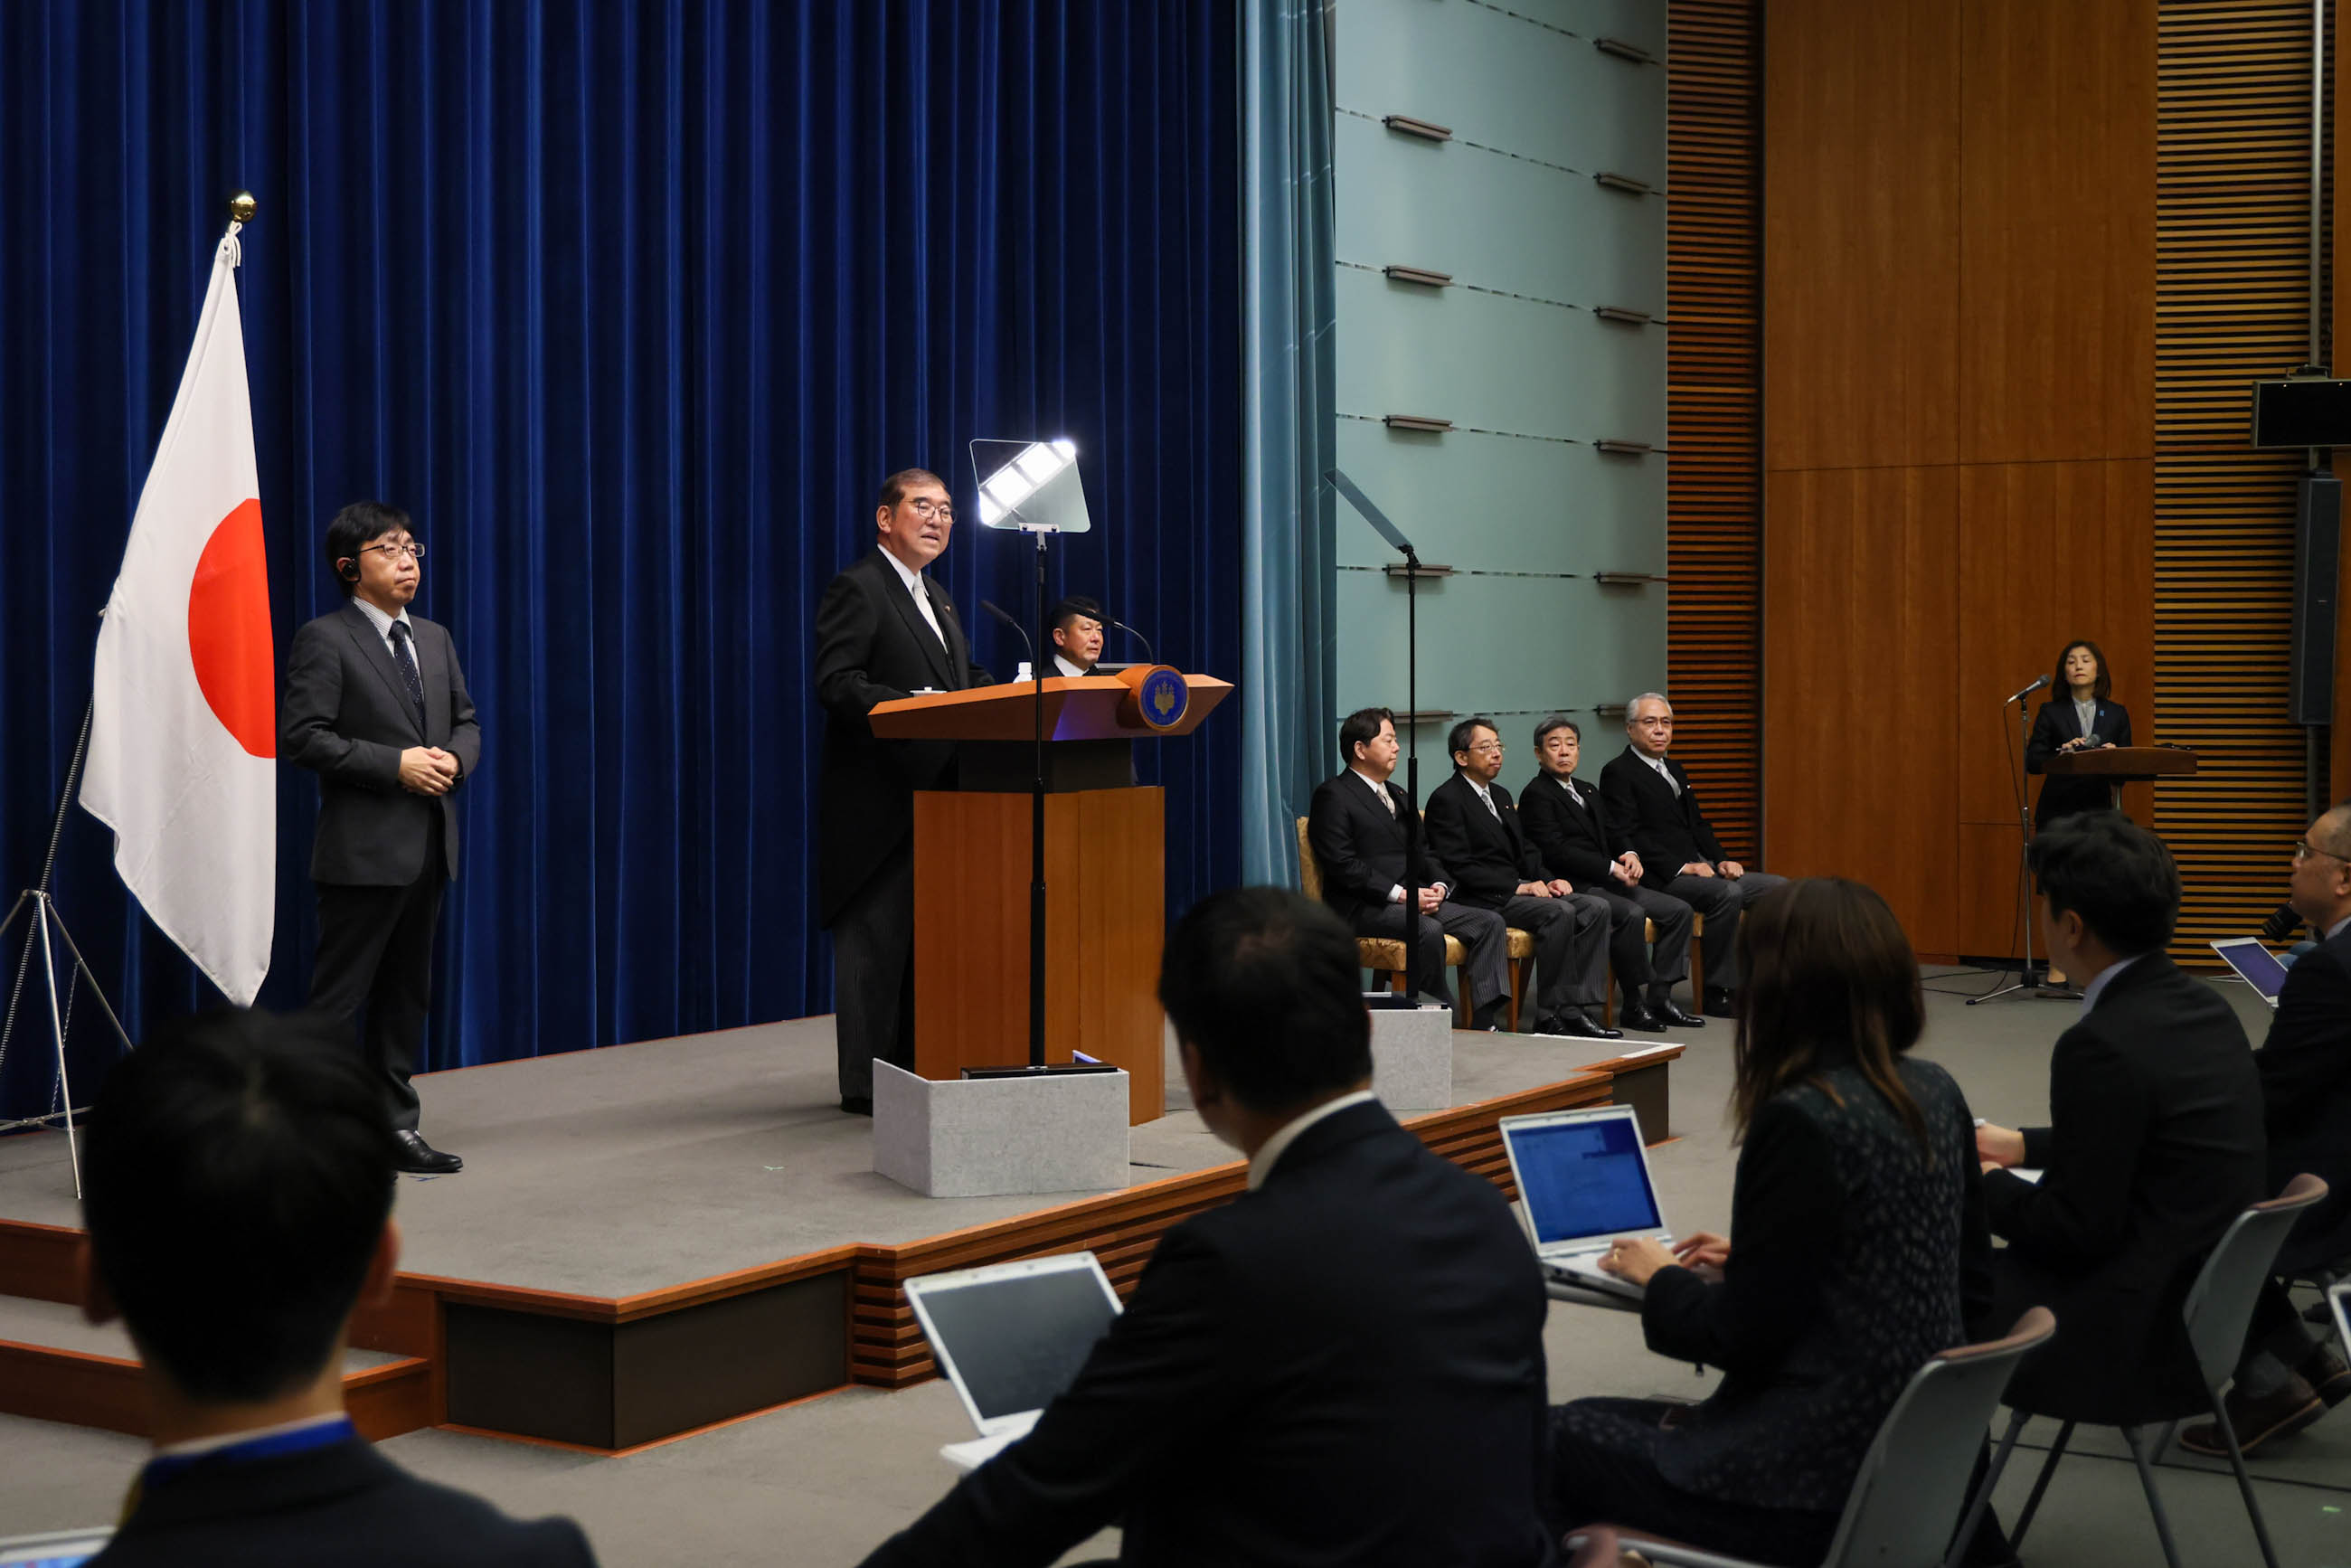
{"x": 2256, "y": 963}
{"x": 1016, "y": 1340}
{"x": 62, "y": 1549}
{"x": 1584, "y": 1178}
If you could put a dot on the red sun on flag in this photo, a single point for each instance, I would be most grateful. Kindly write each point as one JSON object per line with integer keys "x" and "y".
{"x": 228, "y": 631}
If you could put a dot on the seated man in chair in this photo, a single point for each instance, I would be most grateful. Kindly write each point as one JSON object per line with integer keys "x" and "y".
{"x": 1357, "y": 827}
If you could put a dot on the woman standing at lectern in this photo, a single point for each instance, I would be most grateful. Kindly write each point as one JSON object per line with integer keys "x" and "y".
{"x": 2078, "y": 717}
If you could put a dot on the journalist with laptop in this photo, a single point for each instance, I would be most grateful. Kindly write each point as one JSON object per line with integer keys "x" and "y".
{"x": 1344, "y": 1365}
{"x": 1857, "y": 1250}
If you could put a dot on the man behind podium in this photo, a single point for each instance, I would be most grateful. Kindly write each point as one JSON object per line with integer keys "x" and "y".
{"x": 1344, "y": 1365}
{"x": 883, "y": 631}
{"x": 1077, "y": 632}
{"x": 238, "y": 1194}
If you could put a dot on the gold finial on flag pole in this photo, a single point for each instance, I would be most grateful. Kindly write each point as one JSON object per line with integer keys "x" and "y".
{"x": 242, "y": 206}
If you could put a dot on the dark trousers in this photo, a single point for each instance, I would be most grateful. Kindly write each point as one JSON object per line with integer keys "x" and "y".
{"x": 1604, "y": 1458}
{"x": 1629, "y": 910}
{"x": 874, "y": 975}
{"x": 1485, "y": 941}
{"x": 1718, "y": 899}
{"x": 1570, "y": 939}
{"x": 374, "y": 973}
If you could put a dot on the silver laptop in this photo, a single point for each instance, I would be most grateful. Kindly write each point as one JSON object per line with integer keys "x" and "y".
{"x": 1012, "y": 1337}
{"x": 2339, "y": 1297}
{"x": 59, "y": 1549}
{"x": 1583, "y": 1181}
{"x": 2255, "y": 964}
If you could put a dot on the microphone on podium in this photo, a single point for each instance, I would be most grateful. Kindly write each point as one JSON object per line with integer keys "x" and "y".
{"x": 2039, "y": 682}
{"x": 1148, "y": 656}
{"x": 990, "y": 606}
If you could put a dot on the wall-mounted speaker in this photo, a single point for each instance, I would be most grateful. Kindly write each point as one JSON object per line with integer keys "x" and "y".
{"x": 2302, "y": 411}
{"x": 2317, "y": 565}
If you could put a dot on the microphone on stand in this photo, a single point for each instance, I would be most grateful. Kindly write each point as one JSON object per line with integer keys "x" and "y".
{"x": 2039, "y": 682}
{"x": 1149, "y": 657}
{"x": 989, "y": 605}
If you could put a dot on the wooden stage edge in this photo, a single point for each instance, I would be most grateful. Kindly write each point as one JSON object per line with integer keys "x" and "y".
{"x": 612, "y": 1374}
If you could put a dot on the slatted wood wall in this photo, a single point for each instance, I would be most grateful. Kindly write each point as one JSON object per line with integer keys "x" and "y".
{"x": 2232, "y": 257}
{"x": 1714, "y": 503}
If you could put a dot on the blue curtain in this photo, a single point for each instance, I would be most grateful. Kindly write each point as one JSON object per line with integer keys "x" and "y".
{"x": 1289, "y": 639}
{"x": 631, "y": 305}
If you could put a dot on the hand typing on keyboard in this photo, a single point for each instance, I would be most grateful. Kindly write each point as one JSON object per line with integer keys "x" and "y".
{"x": 1703, "y": 1250}
{"x": 1634, "y": 1258}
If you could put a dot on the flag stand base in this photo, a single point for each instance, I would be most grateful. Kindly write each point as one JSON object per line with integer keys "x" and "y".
{"x": 47, "y": 927}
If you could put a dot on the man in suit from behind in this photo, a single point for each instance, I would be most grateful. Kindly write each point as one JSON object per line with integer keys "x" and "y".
{"x": 1568, "y": 824}
{"x": 1474, "y": 827}
{"x": 1651, "y": 802}
{"x": 883, "y": 631}
{"x": 2287, "y": 1378}
{"x": 237, "y": 1185}
{"x": 1344, "y": 1364}
{"x": 2154, "y": 1142}
{"x": 1076, "y": 626}
{"x": 376, "y": 706}
{"x": 1357, "y": 828}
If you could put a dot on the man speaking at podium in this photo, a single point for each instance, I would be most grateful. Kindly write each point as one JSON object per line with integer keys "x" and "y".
{"x": 883, "y": 631}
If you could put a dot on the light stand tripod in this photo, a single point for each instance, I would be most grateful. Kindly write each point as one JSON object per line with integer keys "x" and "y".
{"x": 49, "y": 927}
{"x": 2024, "y": 982}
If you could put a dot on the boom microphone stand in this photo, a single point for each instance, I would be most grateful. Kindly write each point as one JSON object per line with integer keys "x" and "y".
{"x": 2024, "y": 981}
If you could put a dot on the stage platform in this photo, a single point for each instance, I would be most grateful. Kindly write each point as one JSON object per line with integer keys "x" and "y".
{"x": 649, "y": 1240}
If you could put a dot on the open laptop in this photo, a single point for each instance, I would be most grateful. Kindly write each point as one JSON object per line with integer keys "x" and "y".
{"x": 59, "y": 1549}
{"x": 1584, "y": 1179}
{"x": 1011, "y": 1337}
{"x": 2255, "y": 964}
{"x": 2339, "y": 1297}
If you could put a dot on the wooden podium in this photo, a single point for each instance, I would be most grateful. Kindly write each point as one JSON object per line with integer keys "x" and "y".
{"x": 2119, "y": 765}
{"x": 1105, "y": 853}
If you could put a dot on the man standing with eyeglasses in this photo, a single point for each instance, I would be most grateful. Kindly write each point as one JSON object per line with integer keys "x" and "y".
{"x": 883, "y": 631}
{"x": 376, "y": 706}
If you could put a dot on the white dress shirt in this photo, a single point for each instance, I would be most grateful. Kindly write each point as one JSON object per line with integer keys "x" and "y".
{"x": 383, "y": 625}
{"x": 1262, "y": 1163}
{"x": 914, "y": 581}
{"x": 1063, "y": 668}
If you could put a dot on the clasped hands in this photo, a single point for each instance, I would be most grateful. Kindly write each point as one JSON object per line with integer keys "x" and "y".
{"x": 2087, "y": 743}
{"x": 1637, "y": 1259}
{"x": 427, "y": 770}
{"x": 1729, "y": 871}
{"x": 1557, "y": 887}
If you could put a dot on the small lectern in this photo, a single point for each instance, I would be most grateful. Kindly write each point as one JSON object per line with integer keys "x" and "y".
{"x": 2116, "y": 765}
{"x": 1105, "y": 854}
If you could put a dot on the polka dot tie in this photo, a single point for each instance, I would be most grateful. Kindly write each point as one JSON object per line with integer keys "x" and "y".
{"x": 400, "y": 637}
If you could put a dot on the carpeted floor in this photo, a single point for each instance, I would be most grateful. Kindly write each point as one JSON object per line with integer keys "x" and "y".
{"x": 820, "y": 1483}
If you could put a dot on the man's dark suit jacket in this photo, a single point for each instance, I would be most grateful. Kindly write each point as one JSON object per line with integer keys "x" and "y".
{"x": 2305, "y": 1071}
{"x": 1345, "y": 1365}
{"x": 1487, "y": 850}
{"x": 2154, "y": 1146}
{"x": 346, "y": 716}
{"x": 2052, "y": 726}
{"x": 1666, "y": 831}
{"x": 345, "y": 1505}
{"x": 1578, "y": 842}
{"x": 874, "y": 646}
{"x": 1360, "y": 848}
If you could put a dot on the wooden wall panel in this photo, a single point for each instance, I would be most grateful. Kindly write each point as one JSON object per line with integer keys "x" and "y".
{"x": 1861, "y": 119}
{"x": 2056, "y": 230}
{"x": 1714, "y": 496}
{"x": 1860, "y": 571}
{"x": 2233, "y": 141}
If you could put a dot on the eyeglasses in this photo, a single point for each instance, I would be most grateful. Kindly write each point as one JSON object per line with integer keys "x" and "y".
{"x": 411, "y": 550}
{"x": 926, "y": 508}
{"x": 2303, "y": 849}
{"x": 1486, "y": 745}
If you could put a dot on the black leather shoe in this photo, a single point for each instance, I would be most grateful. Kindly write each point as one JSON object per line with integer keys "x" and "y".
{"x": 1720, "y": 1003}
{"x": 1666, "y": 1013}
{"x": 857, "y": 1105}
{"x": 1575, "y": 1026}
{"x": 1642, "y": 1018}
{"x": 1487, "y": 1019}
{"x": 418, "y": 1157}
